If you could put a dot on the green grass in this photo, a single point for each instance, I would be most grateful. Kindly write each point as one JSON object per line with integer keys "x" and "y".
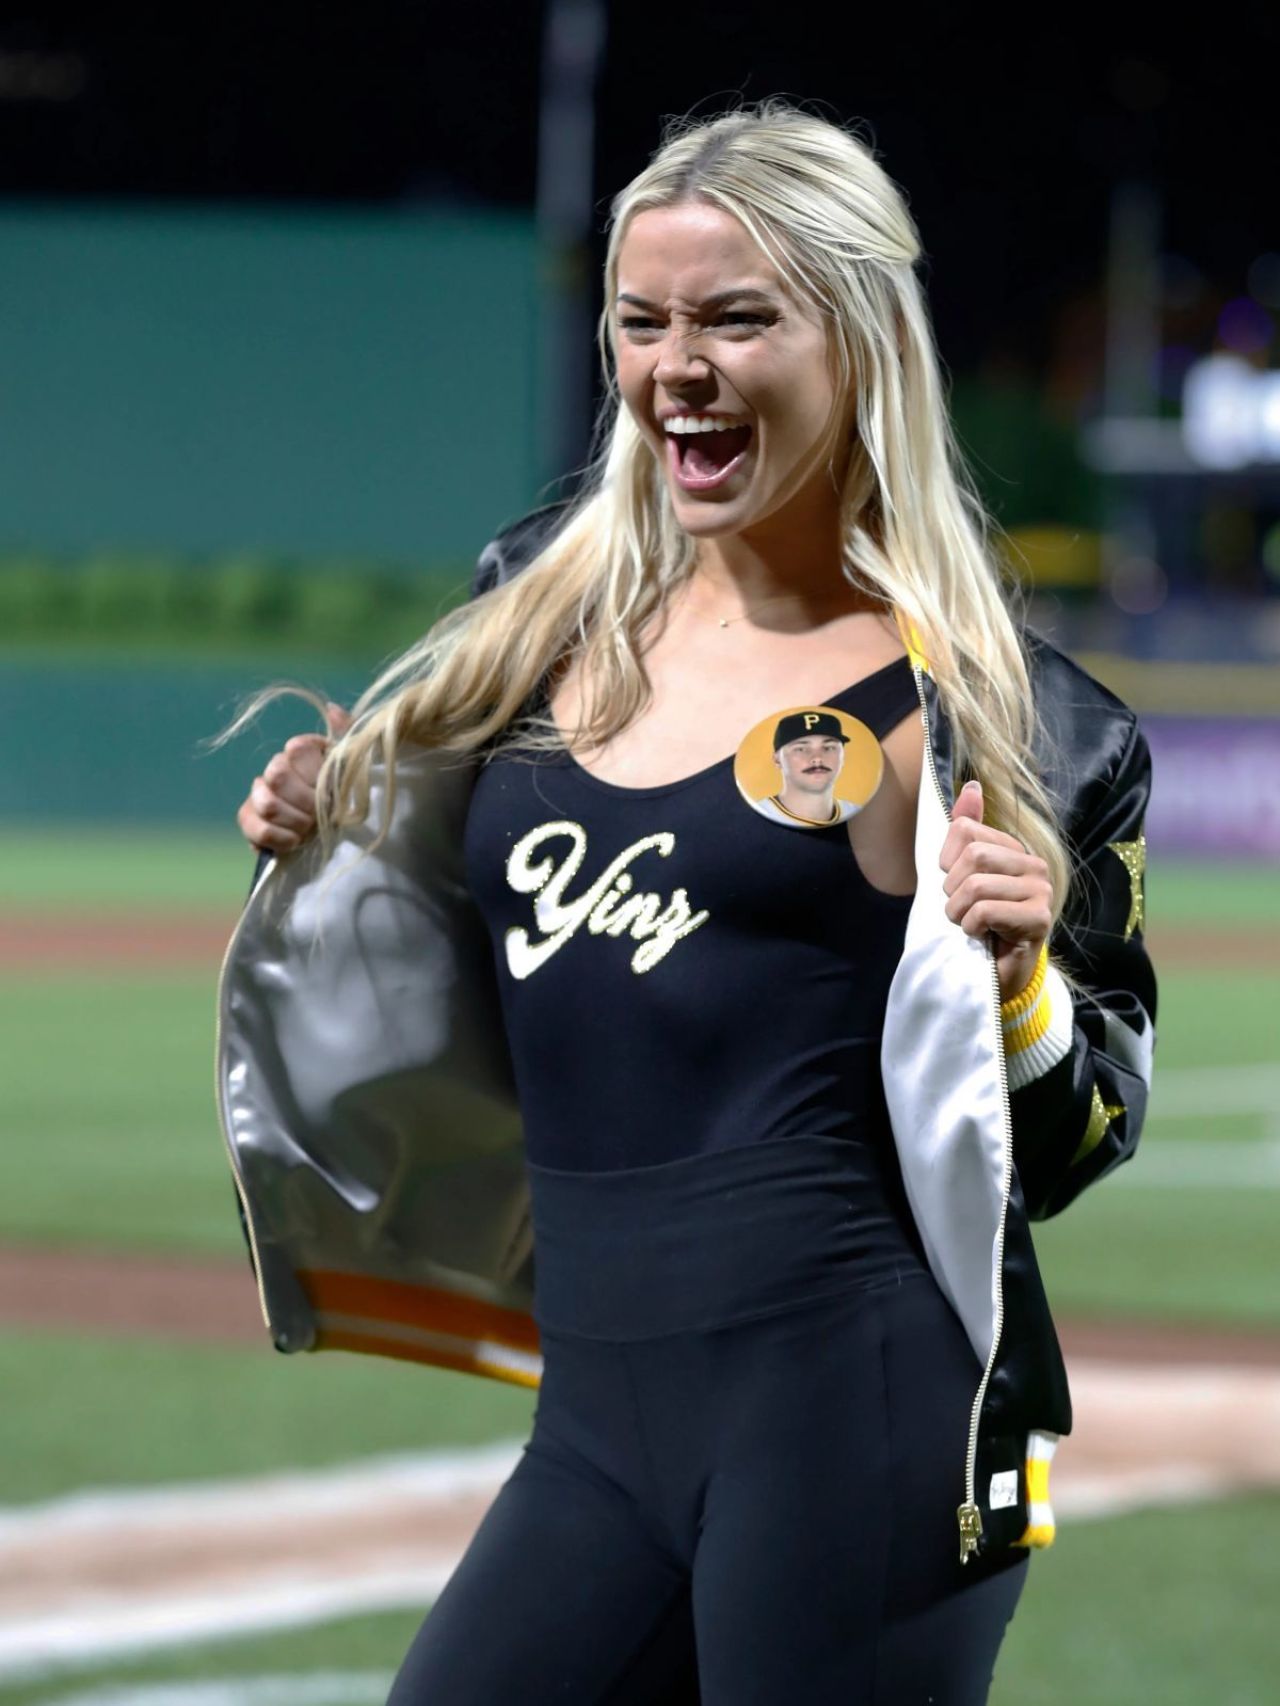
{"x": 369, "y": 1645}
{"x": 112, "y": 1139}
{"x": 105, "y": 866}
{"x": 1190, "y": 892}
{"x": 1163, "y": 1608}
{"x": 112, "y": 1136}
{"x": 1177, "y": 1255}
{"x": 1137, "y": 1245}
{"x": 1171, "y": 1607}
{"x": 111, "y": 1411}
{"x": 121, "y": 870}
{"x": 111, "y": 1133}
{"x": 1216, "y": 1018}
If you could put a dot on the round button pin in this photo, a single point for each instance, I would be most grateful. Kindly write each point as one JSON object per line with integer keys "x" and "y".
{"x": 808, "y": 766}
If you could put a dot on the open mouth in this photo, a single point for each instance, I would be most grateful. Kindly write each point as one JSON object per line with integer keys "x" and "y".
{"x": 702, "y": 459}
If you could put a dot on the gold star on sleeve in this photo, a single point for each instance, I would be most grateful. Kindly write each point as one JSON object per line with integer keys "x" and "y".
{"x": 1101, "y": 1115}
{"x": 1133, "y": 856}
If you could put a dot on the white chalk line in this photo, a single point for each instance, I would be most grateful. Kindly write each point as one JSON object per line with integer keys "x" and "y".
{"x": 92, "y": 1628}
{"x": 85, "y": 1635}
{"x": 317, "y": 1688}
{"x": 350, "y": 1487}
{"x": 1194, "y": 1092}
{"x": 1209, "y": 1093}
{"x": 100, "y": 1624}
{"x": 1200, "y": 1165}
{"x": 88, "y": 1634}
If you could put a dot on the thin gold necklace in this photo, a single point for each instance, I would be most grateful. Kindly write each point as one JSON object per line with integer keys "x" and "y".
{"x": 725, "y": 621}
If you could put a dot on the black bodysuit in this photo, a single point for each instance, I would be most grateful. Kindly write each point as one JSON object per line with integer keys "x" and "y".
{"x": 748, "y": 1448}
{"x": 678, "y": 973}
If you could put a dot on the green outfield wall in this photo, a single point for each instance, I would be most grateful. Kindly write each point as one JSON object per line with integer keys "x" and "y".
{"x": 267, "y": 377}
{"x": 123, "y": 742}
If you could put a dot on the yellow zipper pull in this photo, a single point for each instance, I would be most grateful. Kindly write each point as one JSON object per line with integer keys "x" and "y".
{"x": 970, "y": 1530}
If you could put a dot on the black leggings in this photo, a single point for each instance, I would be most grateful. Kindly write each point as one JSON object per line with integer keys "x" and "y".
{"x": 750, "y": 1513}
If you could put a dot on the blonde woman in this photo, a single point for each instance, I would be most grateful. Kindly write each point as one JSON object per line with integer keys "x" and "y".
{"x": 550, "y": 1058}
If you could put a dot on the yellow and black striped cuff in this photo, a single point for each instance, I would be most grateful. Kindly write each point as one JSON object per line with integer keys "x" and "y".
{"x": 1041, "y": 1527}
{"x": 1036, "y": 1024}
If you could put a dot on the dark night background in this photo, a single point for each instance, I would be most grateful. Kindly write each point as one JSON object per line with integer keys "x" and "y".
{"x": 1005, "y": 134}
{"x": 284, "y": 341}
{"x": 1023, "y": 147}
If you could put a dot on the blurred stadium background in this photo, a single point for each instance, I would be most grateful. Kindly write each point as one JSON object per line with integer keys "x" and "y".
{"x": 295, "y": 311}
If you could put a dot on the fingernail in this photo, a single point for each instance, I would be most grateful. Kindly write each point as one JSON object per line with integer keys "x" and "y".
{"x": 972, "y": 783}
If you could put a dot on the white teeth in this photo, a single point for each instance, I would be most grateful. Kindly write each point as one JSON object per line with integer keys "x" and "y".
{"x": 700, "y": 423}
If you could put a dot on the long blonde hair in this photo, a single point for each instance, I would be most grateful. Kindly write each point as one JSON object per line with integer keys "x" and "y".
{"x": 915, "y": 532}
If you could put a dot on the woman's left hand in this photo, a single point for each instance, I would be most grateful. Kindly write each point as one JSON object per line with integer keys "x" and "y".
{"x": 995, "y": 884}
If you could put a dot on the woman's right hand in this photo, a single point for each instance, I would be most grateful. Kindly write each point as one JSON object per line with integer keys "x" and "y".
{"x": 279, "y": 811}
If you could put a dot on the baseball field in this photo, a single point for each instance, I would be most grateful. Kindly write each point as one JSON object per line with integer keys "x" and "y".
{"x": 189, "y": 1519}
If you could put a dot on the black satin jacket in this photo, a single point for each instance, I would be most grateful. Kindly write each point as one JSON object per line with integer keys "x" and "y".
{"x": 367, "y": 1103}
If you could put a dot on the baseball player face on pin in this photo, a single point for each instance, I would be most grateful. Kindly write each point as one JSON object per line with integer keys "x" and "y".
{"x": 811, "y": 767}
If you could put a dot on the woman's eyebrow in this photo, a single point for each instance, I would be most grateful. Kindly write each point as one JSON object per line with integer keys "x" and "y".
{"x": 744, "y": 293}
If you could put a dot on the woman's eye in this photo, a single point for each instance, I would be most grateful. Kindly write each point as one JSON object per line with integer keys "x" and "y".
{"x": 635, "y": 324}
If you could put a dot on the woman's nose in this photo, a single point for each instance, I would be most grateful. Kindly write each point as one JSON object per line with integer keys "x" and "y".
{"x": 679, "y": 362}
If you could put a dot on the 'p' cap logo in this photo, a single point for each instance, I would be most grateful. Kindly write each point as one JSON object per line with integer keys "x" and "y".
{"x": 808, "y": 766}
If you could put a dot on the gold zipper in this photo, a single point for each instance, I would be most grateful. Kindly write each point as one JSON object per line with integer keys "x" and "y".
{"x": 968, "y": 1514}
{"x": 223, "y": 1120}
